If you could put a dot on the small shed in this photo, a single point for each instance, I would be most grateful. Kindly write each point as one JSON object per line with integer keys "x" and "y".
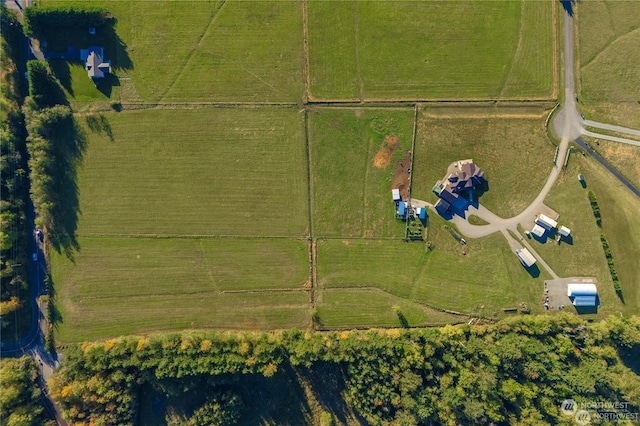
{"x": 582, "y": 289}
{"x": 395, "y": 194}
{"x": 546, "y": 222}
{"x": 422, "y": 212}
{"x": 581, "y": 177}
{"x": 564, "y": 231}
{"x": 538, "y": 231}
{"x": 402, "y": 211}
{"x": 526, "y": 258}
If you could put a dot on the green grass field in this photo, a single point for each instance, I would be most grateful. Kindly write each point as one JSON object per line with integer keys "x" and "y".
{"x": 510, "y": 145}
{"x": 482, "y": 281}
{"x": 427, "y": 50}
{"x": 625, "y": 158}
{"x": 351, "y": 196}
{"x": 208, "y": 50}
{"x": 609, "y": 74}
{"x": 125, "y": 285}
{"x": 196, "y": 172}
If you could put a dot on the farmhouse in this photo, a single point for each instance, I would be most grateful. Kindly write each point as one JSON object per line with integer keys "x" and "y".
{"x": 462, "y": 177}
{"x": 94, "y": 62}
{"x": 526, "y": 258}
{"x": 583, "y": 295}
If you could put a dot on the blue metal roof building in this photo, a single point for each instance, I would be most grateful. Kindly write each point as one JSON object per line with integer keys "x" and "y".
{"x": 584, "y": 301}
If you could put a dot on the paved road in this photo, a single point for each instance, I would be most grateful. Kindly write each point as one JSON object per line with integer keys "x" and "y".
{"x": 608, "y": 166}
{"x": 612, "y": 127}
{"x": 610, "y": 138}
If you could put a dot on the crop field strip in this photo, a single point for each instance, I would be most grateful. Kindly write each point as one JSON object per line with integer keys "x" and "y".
{"x": 608, "y": 80}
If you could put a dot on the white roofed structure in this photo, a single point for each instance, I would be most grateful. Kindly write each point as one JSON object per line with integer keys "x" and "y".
{"x": 546, "y": 222}
{"x": 395, "y": 194}
{"x": 581, "y": 289}
{"x": 564, "y": 231}
{"x": 538, "y": 231}
{"x": 526, "y": 258}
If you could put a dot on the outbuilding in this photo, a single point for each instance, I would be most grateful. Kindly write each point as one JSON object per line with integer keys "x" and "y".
{"x": 526, "y": 258}
{"x": 395, "y": 194}
{"x": 582, "y": 289}
{"x": 538, "y": 231}
{"x": 564, "y": 231}
{"x": 402, "y": 209}
{"x": 546, "y": 222}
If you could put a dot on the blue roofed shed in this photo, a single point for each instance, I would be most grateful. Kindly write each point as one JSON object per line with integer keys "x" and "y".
{"x": 584, "y": 301}
{"x": 402, "y": 210}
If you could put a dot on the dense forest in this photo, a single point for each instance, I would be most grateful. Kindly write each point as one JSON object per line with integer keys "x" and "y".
{"x": 14, "y": 256}
{"x": 20, "y": 402}
{"x": 517, "y": 371}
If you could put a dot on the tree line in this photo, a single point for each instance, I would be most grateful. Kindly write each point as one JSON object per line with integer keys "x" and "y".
{"x": 14, "y": 189}
{"x": 55, "y": 144}
{"x": 517, "y": 371}
{"x": 38, "y": 21}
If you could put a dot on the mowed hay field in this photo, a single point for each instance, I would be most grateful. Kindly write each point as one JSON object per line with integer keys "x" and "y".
{"x": 351, "y": 192}
{"x": 509, "y": 144}
{"x": 383, "y": 273}
{"x": 135, "y": 285}
{"x": 431, "y": 50}
{"x": 609, "y": 73}
{"x": 208, "y": 50}
{"x": 152, "y": 185}
{"x": 196, "y": 172}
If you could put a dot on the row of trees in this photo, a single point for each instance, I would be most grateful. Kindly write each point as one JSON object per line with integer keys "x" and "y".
{"x": 515, "y": 372}
{"x": 38, "y": 21}
{"x": 14, "y": 305}
{"x": 55, "y": 144}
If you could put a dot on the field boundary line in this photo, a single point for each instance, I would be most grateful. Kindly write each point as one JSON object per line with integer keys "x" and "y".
{"x": 365, "y": 186}
{"x": 310, "y": 239}
{"x": 305, "y": 48}
{"x": 417, "y": 302}
{"x": 192, "y": 236}
{"x": 509, "y": 75}
{"x": 193, "y": 50}
{"x": 190, "y": 293}
{"x": 556, "y": 59}
{"x": 356, "y": 25}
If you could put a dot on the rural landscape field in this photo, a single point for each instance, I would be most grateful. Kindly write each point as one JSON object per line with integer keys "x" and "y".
{"x": 242, "y": 185}
{"x": 319, "y": 212}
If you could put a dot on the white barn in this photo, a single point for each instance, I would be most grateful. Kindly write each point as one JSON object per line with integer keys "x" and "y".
{"x": 526, "y": 258}
{"x": 546, "y": 222}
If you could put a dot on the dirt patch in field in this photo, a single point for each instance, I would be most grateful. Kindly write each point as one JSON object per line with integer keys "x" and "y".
{"x": 384, "y": 154}
{"x": 402, "y": 175}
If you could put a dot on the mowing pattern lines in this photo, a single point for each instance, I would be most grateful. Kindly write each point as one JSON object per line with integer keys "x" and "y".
{"x": 214, "y": 14}
{"x": 202, "y": 172}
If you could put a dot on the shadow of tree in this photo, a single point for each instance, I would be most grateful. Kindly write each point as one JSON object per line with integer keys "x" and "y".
{"x": 69, "y": 144}
{"x": 98, "y": 123}
{"x": 60, "y": 69}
